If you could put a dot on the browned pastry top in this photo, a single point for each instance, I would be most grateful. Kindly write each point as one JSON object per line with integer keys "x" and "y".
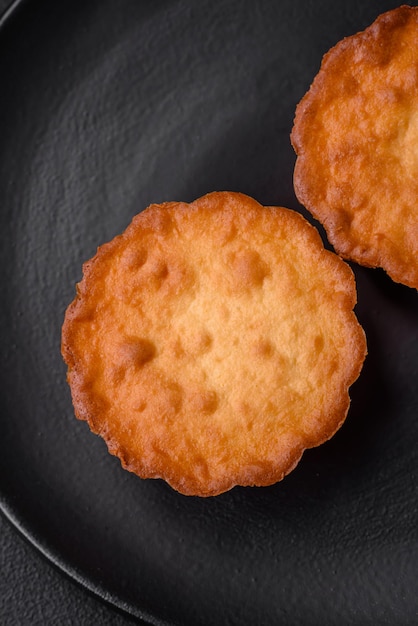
{"x": 356, "y": 137}
{"x": 212, "y": 342}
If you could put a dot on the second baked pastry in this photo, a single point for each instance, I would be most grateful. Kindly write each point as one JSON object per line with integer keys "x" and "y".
{"x": 356, "y": 139}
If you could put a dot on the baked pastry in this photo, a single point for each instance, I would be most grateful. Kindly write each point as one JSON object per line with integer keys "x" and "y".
{"x": 212, "y": 342}
{"x": 356, "y": 138}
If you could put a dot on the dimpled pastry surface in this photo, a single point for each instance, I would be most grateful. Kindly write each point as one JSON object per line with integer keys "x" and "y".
{"x": 356, "y": 137}
{"x": 212, "y": 342}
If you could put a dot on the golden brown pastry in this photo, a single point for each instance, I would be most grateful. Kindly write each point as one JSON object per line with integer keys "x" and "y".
{"x": 356, "y": 138}
{"x": 212, "y": 342}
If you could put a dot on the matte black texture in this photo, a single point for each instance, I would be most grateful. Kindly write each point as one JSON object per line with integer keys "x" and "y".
{"x": 108, "y": 106}
{"x": 33, "y": 592}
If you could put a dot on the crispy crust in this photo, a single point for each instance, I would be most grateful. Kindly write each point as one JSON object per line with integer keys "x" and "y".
{"x": 211, "y": 343}
{"x": 355, "y": 135}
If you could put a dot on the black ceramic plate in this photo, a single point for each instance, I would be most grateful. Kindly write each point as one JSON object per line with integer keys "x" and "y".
{"x": 108, "y": 106}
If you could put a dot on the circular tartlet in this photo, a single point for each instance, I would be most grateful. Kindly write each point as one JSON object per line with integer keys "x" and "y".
{"x": 355, "y": 134}
{"x": 212, "y": 342}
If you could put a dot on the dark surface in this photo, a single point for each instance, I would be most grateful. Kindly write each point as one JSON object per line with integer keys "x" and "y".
{"x": 106, "y": 107}
{"x": 34, "y": 593}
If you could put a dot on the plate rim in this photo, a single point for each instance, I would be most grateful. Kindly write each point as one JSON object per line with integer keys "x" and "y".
{"x": 11, "y": 515}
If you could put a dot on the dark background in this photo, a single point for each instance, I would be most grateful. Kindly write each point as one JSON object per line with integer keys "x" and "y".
{"x": 337, "y": 541}
{"x": 33, "y": 592}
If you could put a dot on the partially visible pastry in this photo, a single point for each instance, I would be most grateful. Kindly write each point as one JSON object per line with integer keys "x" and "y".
{"x": 356, "y": 138}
